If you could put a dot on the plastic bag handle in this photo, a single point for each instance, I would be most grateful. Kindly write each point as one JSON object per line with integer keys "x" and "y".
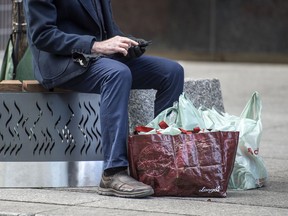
{"x": 164, "y": 125}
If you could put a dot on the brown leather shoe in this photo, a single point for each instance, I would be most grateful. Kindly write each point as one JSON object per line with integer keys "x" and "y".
{"x": 123, "y": 185}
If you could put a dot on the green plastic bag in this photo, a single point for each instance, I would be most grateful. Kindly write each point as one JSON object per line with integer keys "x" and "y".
{"x": 249, "y": 169}
{"x": 7, "y": 68}
{"x": 189, "y": 116}
{"x": 170, "y": 117}
{"x": 23, "y": 70}
{"x": 177, "y": 117}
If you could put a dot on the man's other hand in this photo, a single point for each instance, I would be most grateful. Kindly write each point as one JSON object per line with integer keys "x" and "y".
{"x": 113, "y": 45}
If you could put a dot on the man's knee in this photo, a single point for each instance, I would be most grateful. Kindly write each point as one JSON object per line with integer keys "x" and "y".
{"x": 176, "y": 71}
{"x": 180, "y": 70}
{"x": 120, "y": 74}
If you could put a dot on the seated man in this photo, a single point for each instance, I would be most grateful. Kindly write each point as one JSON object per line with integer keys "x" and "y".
{"x": 76, "y": 45}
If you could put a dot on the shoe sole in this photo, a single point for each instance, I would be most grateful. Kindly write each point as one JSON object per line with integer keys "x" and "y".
{"x": 112, "y": 192}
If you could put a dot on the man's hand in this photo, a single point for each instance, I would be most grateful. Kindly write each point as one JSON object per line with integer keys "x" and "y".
{"x": 113, "y": 45}
{"x": 138, "y": 50}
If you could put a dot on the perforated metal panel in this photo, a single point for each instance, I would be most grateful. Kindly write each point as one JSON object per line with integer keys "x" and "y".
{"x": 50, "y": 127}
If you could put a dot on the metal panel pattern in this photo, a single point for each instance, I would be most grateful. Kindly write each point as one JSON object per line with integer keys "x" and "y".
{"x": 50, "y": 127}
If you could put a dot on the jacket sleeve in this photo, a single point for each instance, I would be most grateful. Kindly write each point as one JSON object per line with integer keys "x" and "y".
{"x": 41, "y": 17}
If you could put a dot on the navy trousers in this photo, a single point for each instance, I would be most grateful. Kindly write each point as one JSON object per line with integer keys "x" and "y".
{"x": 113, "y": 80}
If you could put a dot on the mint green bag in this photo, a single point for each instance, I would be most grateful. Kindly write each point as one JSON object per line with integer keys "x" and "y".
{"x": 249, "y": 169}
{"x": 7, "y": 68}
{"x": 189, "y": 117}
{"x": 23, "y": 70}
{"x": 170, "y": 117}
{"x": 182, "y": 115}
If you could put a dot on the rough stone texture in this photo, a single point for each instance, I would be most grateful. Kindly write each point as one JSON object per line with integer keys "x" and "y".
{"x": 205, "y": 92}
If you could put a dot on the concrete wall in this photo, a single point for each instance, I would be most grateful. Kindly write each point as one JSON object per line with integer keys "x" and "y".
{"x": 221, "y": 30}
{"x": 217, "y": 30}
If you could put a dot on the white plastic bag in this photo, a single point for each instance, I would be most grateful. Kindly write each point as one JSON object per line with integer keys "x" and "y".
{"x": 249, "y": 169}
{"x": 182, "y": 115}
{"x": 189, "y": 117}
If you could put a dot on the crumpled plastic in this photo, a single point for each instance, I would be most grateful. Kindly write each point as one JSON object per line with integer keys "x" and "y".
{"x": 249, "y": 169}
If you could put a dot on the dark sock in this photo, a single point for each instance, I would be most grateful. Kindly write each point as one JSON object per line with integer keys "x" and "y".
{"x": 114, "y": 170}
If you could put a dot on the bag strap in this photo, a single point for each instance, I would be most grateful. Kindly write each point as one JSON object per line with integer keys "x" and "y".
{"x": 164, "y": 125}
{"x": 139, "y": 129}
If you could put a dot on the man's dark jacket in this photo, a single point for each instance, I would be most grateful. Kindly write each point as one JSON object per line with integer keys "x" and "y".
{"x": 59, "y": 28}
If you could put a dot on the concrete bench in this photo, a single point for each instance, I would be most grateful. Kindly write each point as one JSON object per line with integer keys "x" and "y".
{"x": 61, "y": 129}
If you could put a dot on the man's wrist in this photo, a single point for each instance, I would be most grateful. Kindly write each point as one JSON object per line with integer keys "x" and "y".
{"x": 95, "y": 47}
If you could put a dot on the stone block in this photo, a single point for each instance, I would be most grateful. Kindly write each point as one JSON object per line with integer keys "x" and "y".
{"x": 202, "y": 92}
